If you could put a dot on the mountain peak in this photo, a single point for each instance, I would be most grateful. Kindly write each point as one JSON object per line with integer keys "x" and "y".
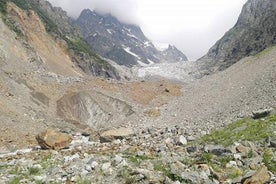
{"x": 123, "y": 43}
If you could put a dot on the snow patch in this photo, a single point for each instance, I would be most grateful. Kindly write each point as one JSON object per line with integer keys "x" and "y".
{"x": 127, "y": 49}
{"x": 109, "y": 31}
{"x": 161, "y": 46}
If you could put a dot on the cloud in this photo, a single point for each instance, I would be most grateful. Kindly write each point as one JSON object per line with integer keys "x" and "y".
{"x": 125, "y": 11}
{"x": 192, "y": 25}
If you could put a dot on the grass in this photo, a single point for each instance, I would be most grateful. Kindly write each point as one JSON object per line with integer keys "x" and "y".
{"x": 34, "y": 171}
{"x": 161, "y": 167}
{"x": 243, "y": 130}
{"x": 138, "y": 159}
{"x": 15, "y": 180}
{"x": 268, "y": 160}
{"x": 125, "y": 173}
{"x": 265, "y": 51}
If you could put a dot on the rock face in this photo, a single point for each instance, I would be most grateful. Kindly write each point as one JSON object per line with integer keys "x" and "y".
{"x": 123, "y": 43}
{"x": 253, "y": 32}
{"x": 52, "y": 139}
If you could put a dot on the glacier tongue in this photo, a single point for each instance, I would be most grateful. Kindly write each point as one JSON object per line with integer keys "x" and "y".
{"x": 175, "y": 71}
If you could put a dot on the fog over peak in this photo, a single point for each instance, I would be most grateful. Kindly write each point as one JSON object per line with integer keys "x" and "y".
{"x": 193, "y": 26}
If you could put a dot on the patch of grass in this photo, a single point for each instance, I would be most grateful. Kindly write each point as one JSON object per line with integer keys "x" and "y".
{"x": 206, "y": 157}
{"x": 15, "y": 180}
{"x": 161, "y": 167}
{"x": 235, "y": 173}
{"x": 125, "y": 173}
{"x": 15, "y": 171}
{"x": 269, "y": 160}
{"x": 83, "y": 181}
{"x": 243, "y": 130}
{"x": 138, "y": 159}
{"x": 13, "y": 26}
{"x": 189, "y": 161}
{"x": 223, "y": 160}
{"x": 34, "y": 171}
{"x": 265, "y": 51}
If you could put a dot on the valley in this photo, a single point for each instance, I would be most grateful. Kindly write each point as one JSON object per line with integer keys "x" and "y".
{"x": 146, "y": 120}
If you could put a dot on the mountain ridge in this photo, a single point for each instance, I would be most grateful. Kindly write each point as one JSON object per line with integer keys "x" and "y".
{"x": 253, "y": 32}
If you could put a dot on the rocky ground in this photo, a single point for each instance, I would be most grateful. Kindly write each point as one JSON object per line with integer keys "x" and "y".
{"x": 150, "y": 155}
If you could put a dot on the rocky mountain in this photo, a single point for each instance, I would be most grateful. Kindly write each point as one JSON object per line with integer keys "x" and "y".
{"x": 124, "y": 43}
{"x": 253, "y": 32}
{"x": 61, "y": 28}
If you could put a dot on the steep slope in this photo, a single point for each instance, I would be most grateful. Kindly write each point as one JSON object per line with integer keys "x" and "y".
{"x": 124, "y": 43}
{"x": 60, "y": 27}
{"x": 253, "y": 32}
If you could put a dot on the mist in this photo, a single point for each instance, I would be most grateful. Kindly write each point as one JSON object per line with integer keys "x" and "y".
{"x": 193, "y": 26}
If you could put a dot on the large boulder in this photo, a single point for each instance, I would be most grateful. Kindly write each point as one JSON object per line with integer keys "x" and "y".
{"x": 52, "y": 139}
{"x": 121, "y": 133}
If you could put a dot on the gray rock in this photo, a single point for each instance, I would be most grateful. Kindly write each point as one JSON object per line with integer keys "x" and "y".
{"x": 273, "y": 143}
{"x": 94, "y": 165}
{"x": 217, "y": 150}
{"x": 182, "y": 140}
{"x": 117, "y": 160}
{"x": 261, "y": 113}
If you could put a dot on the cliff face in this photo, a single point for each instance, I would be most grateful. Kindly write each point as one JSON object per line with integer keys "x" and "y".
{"x": 253, "y": 32}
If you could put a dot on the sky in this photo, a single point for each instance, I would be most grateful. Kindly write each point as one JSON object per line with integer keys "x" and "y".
{"x": 193, "y": 26}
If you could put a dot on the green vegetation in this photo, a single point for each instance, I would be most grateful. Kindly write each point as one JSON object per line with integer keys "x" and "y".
{"x": 125, "y": 173}
{"x": 34, "y": 171}
{"x": 265, "y": 51}
{"x": 23, "y": 4}
{"x": 79, "y": 45}
{"x": 243, "y": 130}
{"x": 268, "y": 160}
{"x": 138, "y": 159}
{"x": 235, "y": 173}
{"x": 161, "y": 167}
{"x": 16, "y": 180}
{"x": 206, "y": 157}
{"x": 83, "y": 181}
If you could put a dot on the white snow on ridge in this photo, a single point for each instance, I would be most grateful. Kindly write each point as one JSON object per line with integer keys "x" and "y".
{"x": 127, "y": 49}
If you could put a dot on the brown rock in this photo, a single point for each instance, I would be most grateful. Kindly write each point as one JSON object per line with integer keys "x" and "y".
{"x": 52, "y": 139}
{"x": 242, "y": 149}
{"x": 121, "y": 133}
{"x": 260, "y": 177}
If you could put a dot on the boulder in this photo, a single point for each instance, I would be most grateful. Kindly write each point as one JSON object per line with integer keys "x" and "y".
{"x": 111, "y": 135}
{"x": 260, "y": 177}
{"x": 261, "y": 113}
{"x": 52, "y": 139}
